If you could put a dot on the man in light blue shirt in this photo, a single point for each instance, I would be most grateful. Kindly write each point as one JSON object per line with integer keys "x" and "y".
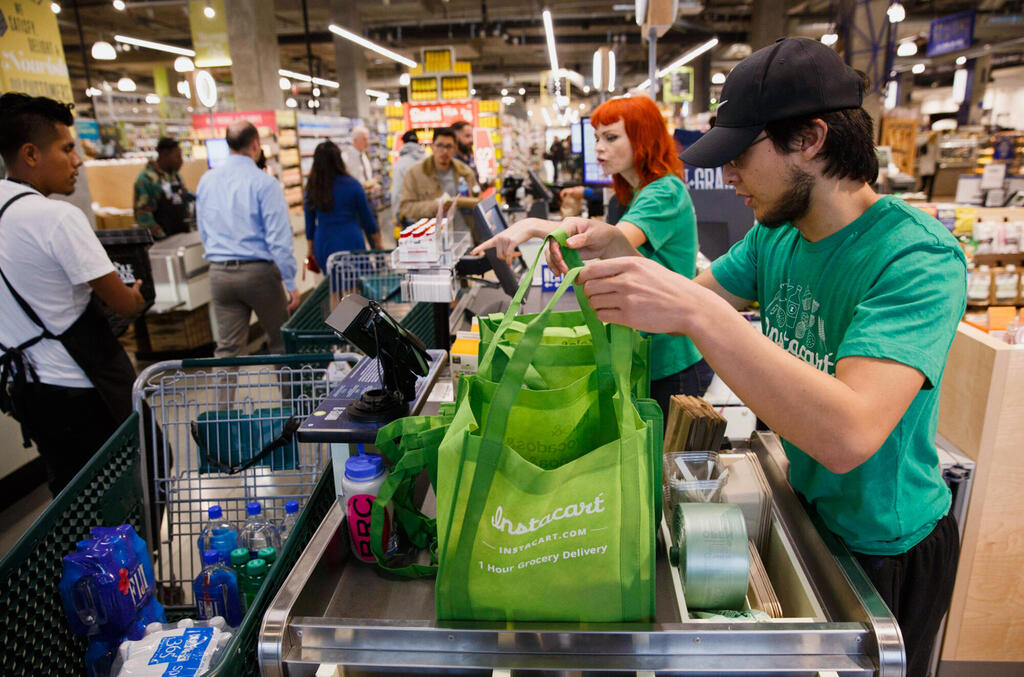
{"x": 243, "y": 219}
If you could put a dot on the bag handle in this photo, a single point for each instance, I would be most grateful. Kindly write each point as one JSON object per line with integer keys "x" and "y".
{"x": 283, "y": 439}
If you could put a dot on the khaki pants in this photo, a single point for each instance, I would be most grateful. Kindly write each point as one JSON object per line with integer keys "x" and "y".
{"x": 238, "y": 289}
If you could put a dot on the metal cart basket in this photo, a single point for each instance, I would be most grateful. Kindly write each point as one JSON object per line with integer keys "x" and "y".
{"x": 109, "y": 491}
{"x": 221, "y": 433}
{"x": 367, "y": 273}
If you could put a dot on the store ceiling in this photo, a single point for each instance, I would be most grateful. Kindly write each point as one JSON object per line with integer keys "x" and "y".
{"x": 504, "y": 39}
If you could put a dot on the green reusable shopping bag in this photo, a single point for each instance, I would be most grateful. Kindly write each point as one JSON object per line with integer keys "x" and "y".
{"x": 545, "y": 498}
{"x": 566, "y": 351}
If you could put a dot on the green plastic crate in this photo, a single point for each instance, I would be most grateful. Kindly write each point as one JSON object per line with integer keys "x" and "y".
{"x": 108, "y": 492}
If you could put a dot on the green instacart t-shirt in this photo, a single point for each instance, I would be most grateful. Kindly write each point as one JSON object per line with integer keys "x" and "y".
{"x": 664, "y": 212}
{"x": 892, "y": 285}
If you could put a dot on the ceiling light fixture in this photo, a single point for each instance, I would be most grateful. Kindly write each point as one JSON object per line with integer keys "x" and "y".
{"x": 209, "y": 12}
{"x": 184, "y": 89}
{"x": 830, "y": 39}
{"x": 918, "y": 68}
{"x": 119, "y": 5}
{"x": 363, "y": 42}
{"x": 159, "y": 46}
{"x": 183, "y": 64}
{"x": 403, "y": 80}
{"x": 718, "y": 78}
{"x": 152, "y": 98}
{"x": 305, "y": 78}
{"x": 688, "y": 57}
{"x": 586, "y": 89}
{"x": 126, "y": 84}
{"x": 55, "y": 7}
{"x": 377, "y": 94}
{"x": 611, "y": 71}
{"x": 961, "y": 60}
{"x": 291, "y": 102}
{"x": 907, "y": 48}
{"x": 103, "y": 51}
{"x": 504, "y": 92}
{"x": 316, "y": 91}
{"x": 284, "y": 83}
{"x": 522, "y": 91}
{"x": 93, "y": 91}
{"x": 549, "y": 32}
{"x": 896, "y": 12}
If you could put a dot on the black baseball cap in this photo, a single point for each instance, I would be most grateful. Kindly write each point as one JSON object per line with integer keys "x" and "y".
{"x": 794, "y": 77}
{"x": 410, "y": 137}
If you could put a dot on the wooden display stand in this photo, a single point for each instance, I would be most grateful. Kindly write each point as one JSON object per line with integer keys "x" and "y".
{"x": 981, "y": 411}
{"x": 900, "y": 134}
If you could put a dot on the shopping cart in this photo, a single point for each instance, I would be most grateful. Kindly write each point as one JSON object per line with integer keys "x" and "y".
{"x": 367, "y": 273}
{"x": 221, "y": 433}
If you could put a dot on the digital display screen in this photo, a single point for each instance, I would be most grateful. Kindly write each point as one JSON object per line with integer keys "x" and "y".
{"x": 592, "y": 172}
{"x": 217, "y": 152}
{"x": 576, "y": 138}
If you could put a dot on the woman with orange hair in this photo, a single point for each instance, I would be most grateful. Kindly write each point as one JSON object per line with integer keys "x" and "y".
{"x": 634, "y": 146}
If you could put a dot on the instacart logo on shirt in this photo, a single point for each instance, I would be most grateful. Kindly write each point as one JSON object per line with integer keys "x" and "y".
{"x": 791, "y": 320}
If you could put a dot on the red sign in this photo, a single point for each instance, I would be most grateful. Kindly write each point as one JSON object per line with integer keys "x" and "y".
{"x": 483, "y": 155}
{"x": 440, "y": 113}
{"x": 265, "y": 120}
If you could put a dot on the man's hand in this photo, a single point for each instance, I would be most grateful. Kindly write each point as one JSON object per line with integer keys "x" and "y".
{"x": 571, "y": 192}
{"x": 294, "y": 299}
{"x": 592, "y": 239}
{"x": 505, "y": 242}
{"x": 466, "y": 202}
{"x": 640, "y": 293}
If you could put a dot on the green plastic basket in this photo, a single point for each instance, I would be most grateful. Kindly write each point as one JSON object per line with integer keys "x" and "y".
{"x": 108, "y": 492}
{"x": 33, "y": 628}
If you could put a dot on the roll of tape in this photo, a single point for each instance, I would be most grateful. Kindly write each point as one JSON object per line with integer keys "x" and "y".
{"x": 712, "y": 554}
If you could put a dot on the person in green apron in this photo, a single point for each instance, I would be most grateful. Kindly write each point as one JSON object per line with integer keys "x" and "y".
{"x": 860, "y": 297}
{"x": 634, "y": 146}
{"x": 63, "y": 375}
{"x": 162, "y": 203}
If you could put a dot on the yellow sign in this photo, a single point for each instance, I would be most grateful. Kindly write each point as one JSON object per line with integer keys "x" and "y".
{"x": 31, "y": 53}
{"x": 209, "y": 35}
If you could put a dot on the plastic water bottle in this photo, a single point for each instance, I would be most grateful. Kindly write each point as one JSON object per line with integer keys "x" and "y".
{"x": 216, "y": 591}
{"x": 239, "y": 558}
{"x": 255, "y": 574}
{"x": 364, "y": 473}
{"x": 291, "y": 516}
{"x": 218, "y": 534}
{"x": 258, "y": 531}
{"x": 463, "y": 187}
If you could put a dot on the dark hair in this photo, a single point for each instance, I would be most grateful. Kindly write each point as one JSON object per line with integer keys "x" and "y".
{"x": 243, "y": 137}
{"x": 456, "y": 126}
{"x": 327, "y": 166}
{"x": 410, "y": 137}
{"x": 166, "y": 144}
{"x": 29, "y": 119}
{"x": 444, "y": 131}
{"x": 849, "y": 149}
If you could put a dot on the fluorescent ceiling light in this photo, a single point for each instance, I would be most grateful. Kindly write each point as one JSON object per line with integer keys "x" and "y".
{"x": 305, "y": 78}
{"x": 403, "y": 80}
{"x": 611, "y": 71}
{"x": 472, "y": 92}
{"x": 586, "y": 89}
{"x": 718, "y": 78}
{"x": 152, "y": 98}
{"x": 184, "y": 89}
{"x": 103, "y": 51}
{"x": 209, "y": 12}
{"x": 896, "y": 12}
{"x": 291, "y": 102}
{"x": 907, "y": 48}
{"x": 549, "y": 31}
{"x": 522, "y": 91}
{"x": 504, "y": 92}
{"x": 316, "y": 91}
{"x": 55, "y": 7}
{"x": 376, "y": 93}
{"x": 159, "y": 46}
{"x": 960, "y": 85}
{"x": 830, "y": 39}
{"x": 183, "y": 64}
{"x": 363, "y": 42}
{"x": 644, "y": 85}
{"x": 918, "y": 68}
{"x": 93, "y": 91}
{"x": 284, "y": 83}
{"x": 961, "y": 60}
{"x": 596, "y": 70}
{"x": 119, "y": 5}
{"x": 126, "y": 85}
{"x": 688, "y": 57}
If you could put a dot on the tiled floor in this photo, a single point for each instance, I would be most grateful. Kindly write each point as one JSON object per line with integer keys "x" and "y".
{"x": 16, "y": 519}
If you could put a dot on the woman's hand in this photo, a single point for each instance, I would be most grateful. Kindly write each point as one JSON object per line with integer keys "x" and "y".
{"x": 571, "y": 192}
{"x": 592, "y": 239}
{"x": 505, "y": 242}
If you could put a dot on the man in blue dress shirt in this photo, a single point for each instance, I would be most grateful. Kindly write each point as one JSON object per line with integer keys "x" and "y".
{"x": 243, "y": 219}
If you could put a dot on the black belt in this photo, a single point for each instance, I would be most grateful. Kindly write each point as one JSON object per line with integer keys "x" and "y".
{"x": 238, "y": 262}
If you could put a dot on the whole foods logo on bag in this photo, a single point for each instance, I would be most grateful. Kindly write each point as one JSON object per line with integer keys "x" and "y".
{"x": 501, "y": 523}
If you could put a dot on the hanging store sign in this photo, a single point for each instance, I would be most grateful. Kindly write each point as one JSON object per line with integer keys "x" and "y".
{"x": 209, "y": 35}
{"x": 31, "y": 52}
{"x": 951, "y": 33}
{"x": 677, "y": 86}
{"x": 264, "y": 120}
{"x": 440, "y": 113}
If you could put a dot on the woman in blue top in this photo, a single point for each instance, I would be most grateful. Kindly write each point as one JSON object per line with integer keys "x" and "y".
{"x": 337, "y": 211}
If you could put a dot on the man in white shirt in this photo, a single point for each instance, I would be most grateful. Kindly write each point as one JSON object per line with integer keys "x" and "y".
{"x": 65, "y": 377}
{"x": 357, "y": 162}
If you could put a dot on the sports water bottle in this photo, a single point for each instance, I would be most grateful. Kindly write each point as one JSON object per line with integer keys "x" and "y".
{"x": 239, "y": 558}
{"x": 463, "y": 187}
{"x": 364, "y": 473}
{"x": 255, "y": 574}
{"x": 291, "y": 516}
{"x": 216, "y": 591}
{"x": 268, "y": 555}
{"x": 218, "y": 534}
{"x": 258, "y": 531}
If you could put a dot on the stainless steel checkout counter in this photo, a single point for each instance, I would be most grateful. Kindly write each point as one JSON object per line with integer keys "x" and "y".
{"x": 333, "y": 610}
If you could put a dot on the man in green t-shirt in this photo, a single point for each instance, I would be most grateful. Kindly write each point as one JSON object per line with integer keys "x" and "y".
{"x": 860, "y": 298}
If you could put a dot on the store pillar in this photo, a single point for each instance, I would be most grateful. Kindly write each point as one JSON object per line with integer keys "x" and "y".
{"x": 252, "y": 42}
{"x": 701, "y": 84}
{"x": 977, "y": 78}
{"x": 768, "y": 22}
{"x": 869, "y": 45}
{"x": 350, "y": 60}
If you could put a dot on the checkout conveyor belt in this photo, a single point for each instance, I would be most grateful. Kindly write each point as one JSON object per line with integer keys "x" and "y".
{"x": 333, "y": 610}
